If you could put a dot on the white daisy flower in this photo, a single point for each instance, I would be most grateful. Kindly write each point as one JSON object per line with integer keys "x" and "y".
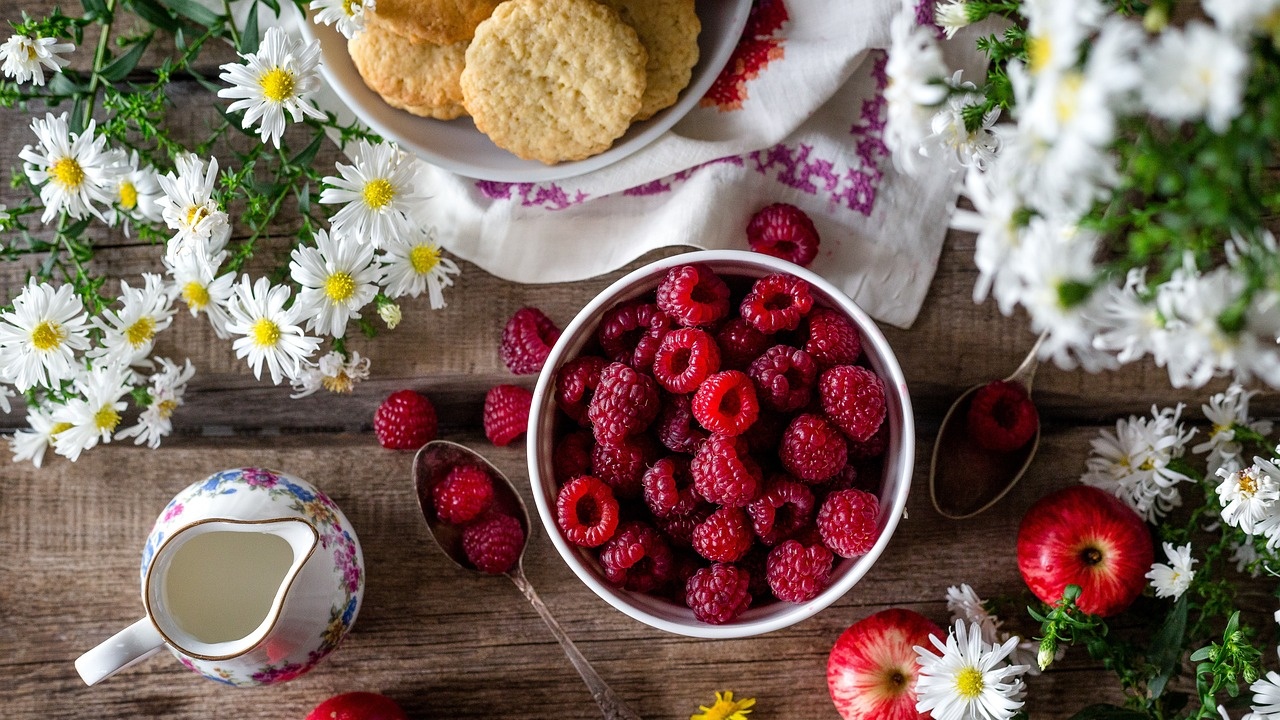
{"x": 378, "y": 191}
{"x": 390, "y": 314}
{"x": 74, "y": 170}
{"x": 1241, "y": 16}
{"x": 1193, "y": 73}
{"x": 333, "y": 372}
{"x": 964, "y": 604}
{"x": 994, "y": 219}
{"x": 189, "y": 208}
{"x": 1247, "y": 495}
{"x": 952, "y": 15}
{"x": 31, "y": 443}
{"x": 950, "y": 135}
{"x": 415, "y": 264}
{"x": 25, "y": 58}
{"x": 1173, "y": 579}
{"x": 275, "y": 80}
{"x": 137, "y": 191}
{"x": 338, "y": 277}
{"x": 1244, "y": 555}
{"x": 970, "y": 680}
{"x": 168, "y": 385}
{"x": 1126, "y": 323}
{"x": 1266, "y": 695}
{"x": 128, "y": 334}
{"x": 1055, "y": 31}
{"x": 94, "y": 415}
{"x": 348, "y": 15}
{"x": 271, "y": 333}
{"x": 1133, "y": 463}
{"x": 1227, "y": 410}
{"x": 40, "y": 336}
{"x": 6, "y": 392}
{"x": 917, "y": 75}
{"x": 203, "y": 293}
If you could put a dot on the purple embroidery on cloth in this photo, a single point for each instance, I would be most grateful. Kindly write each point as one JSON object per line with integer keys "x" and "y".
{"x": 662, "y": 185}
{"x": 926, "y": 16}
{"x": 550, "y": 196}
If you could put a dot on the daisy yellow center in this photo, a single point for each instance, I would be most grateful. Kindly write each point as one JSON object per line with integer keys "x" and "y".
{"x": 140, "y": 331}
{"x": 1039, "y": 50}
{"x": 1248, "y": 484}
{"x": 31, "y": 53}
{"x": 166, "y": 408}
{"x": 340, "y": 383}
{"x": 1069, "y": 96}
{"x": 106, "y": 419}
{"x": 969, "y": 683}
{"x": 349, "y": 7}
{"x": 47, "y": 336}
{"x": 265, "y": 333}
{"x": 378, "y": 193}
{"x": 195, "y": 214}
{"x": 128, "y": 195}
{"x": 339, "y": 286}
{"x": 195, "y": 295}
{"x": 424, "y": 258}
{"x": 278, "y": 84}
{"x": 68, "y": 173}
{"x": 59, "y": 427}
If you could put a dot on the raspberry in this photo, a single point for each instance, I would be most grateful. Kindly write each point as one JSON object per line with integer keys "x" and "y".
{"x": 576, "y": 380}
{"x": 832, "y": 339}
{"x": 843, "y": 480}
{"x": 798, "y": 573}
{"x": 684, "y": 359}
{"x": 621, "y": 463}
{"x": 624, "y": 403}
{"x": 872, "y": 448}
{"x": 725, "y": 536}
{"x": 783, "y": 231}
{"x": 693, "y": 295}
{"x": 631, "y": 333}
{"x": 587, "y": 512}
{"x": 527, "y": 340}
{"x": 848, "y": 521}
{"x": 668, "y": 487}
{"x": 493, "y": 543}
{"x": 465, "y": 492}
{"x": 777, "y": 302}
{"x": 676, "y": 428}
{"x": 1002, "y": 417}
{"x": 637, "y": 558}
{"x": 726, "y": 403}
{"x": 740, "y": 343}
{"x": 572, "y": 456}
{"x": 784, "y": 378}
{"x": 719, "y": 593}
{"x": 812, "y": 449}
{"x": 358, "y": 706}
{"x": 679, "y": 528}
{"x": 723, "y": 472}
{"x": 784, "y": 508}
{"x": 406, "y": 420}
{"x": 506, "y": 413}
{"x": 853, "y": 398}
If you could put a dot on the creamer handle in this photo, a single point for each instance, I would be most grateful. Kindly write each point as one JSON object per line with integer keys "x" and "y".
{"x": 131, "y": 645}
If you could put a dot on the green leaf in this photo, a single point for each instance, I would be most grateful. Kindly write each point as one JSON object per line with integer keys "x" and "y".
{"x": 1166, "y": 646}
{"x": 95, "y": 8}
{"x": 152, "y": 12}
{"x": 1102, "y": 711}
{"x": 249, "y": 35}
{"x": 309, "y": 152}
{"x": 275, "y": 6}
{"x": 194, "y": 11}
{"x": 120, "y": 68}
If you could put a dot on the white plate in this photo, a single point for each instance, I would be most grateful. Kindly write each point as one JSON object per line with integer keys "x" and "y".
{"x": 457, "y": 146}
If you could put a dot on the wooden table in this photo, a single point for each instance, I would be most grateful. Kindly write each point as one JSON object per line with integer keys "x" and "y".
{"x": 447, "y": 644}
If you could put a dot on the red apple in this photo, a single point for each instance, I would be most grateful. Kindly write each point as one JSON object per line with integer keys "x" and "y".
{"x": 358, "y": 706}
{"x": 1087, "y": 537}
{"x": 872, "y": 668}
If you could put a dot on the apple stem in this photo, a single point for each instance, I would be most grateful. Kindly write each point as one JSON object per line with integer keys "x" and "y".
{"x": 1091, "y": 556}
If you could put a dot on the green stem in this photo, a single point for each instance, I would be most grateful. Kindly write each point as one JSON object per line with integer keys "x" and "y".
{"x": 99, "y": 59}
{"x": 231, "y": 24}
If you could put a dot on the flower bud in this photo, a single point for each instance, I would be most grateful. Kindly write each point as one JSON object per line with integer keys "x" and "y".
{"x": 390, "y": 314}
{"x": 1048, "y": 649}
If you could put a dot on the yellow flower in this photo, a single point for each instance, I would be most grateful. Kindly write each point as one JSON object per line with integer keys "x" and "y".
{"x": 725, "y": 708}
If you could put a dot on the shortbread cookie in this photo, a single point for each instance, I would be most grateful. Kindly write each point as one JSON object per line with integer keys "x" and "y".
{"x": 668, "y": 29}
{"x": 442, "y": 22}
{"x": 421, "y": 78}
{"x": 554, "y": 80}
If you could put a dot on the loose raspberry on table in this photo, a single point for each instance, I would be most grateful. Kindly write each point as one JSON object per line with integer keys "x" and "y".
{"x": 853, "y": 398}
{"x": 784, "y": 378}
{"x": 777, "y": 302}
{"x": 725, "y": 536}
{"x": 740, "y": 343}
{"x": 719, "y": 593}
{"x": 624, "y": 403}
{"x": 464, "y": 493}
{"x": 848, "y": 521}
{"x": 797, "y": 573}
{"x": 812, "y": 448}
{"x": 679, "y": 528}
{"x": 631, "y": 333}
{"x": 637, "y": 558}
{"x": 724, "y": 473}
{"x": 576, "y": 380}
{"x": 783, "y": 231}
{"x": 783, "y": 509}
{"x": 668, "y": 487}
{"x": 506, "y": 413}
{"x": 872, "y": 448}
{"x": 726, "y": 403}
{"x": 493, "y": 543}
{"x": 685, "y": 358}
{"x": 587, "y": 512}
{"x": 676, "y": 427}
{"x": 572, "y": 455}
{"x": 621, "y": 463}
{"x": 693, "y": 295}
{"x": 406, "y": 420}
{"x": 527, "y": 340}
{"x": 357, "y": 706}
{"x": 832, "y": 338}
{"x": 1002, "y": 417}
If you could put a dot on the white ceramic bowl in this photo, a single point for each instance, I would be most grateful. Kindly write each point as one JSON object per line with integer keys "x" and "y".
{"x": 898, "y": 461}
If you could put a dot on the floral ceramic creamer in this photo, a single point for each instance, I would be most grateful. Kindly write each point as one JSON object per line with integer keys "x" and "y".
{"x": 249, "y": 577}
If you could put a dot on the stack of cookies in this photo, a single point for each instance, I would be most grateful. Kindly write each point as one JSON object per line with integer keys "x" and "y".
{"x": 547, "y": 80}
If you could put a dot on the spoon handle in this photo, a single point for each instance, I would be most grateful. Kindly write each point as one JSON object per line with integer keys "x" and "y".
{"x": 1026, "y": 372}
{"x": 610, "y": 704}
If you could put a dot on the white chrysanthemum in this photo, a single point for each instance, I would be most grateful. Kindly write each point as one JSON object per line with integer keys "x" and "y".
{"x": 1266, "y": 695}
{"x": 203, "y": 292}
{"x": 415, "y": 264}
{"x": 970, "y": 680}
{"x": 1133, "y": 463}
{"x": 6, "y": 392}
{"x": 950, "y": 135}
{"x": 964, "y": 604}
{"x": 1248, "y": 495}
{"x": 1193, "y": 73}
{"x": 189, "y": 208}
{"x": 1126, "y": 323}
{"x": 994, "y": 219}
{"x": 168, "y": 385}
{"x": 273, "y": 81}
{"x": 31, "y": 443}
{"x": 1243, "y": 16}
{"x": 25, "y": 58}
{"x": 952, "y": 15}
{"x": 333, "y": 372}
{"x": 40, "y": 336}
{"x": 390, "y": 314}
{"x": 1173, "y": 579}
{"x": 1055, "y": 31}
{"x": 73, "y": 170}
{"x": 137, "y": 191}
{"x": 348, "y": 15}
{"x": 1244, "y": 555}
{"x": 271, "y": 333}
{"x": 95, "y": 413}
{"x": 338, "y": 277}
{"x": 1228, "y": 410}
{"x": 128, "y": 334}
{"x": 917, "y": 75}
{"x": 376, "y": 192}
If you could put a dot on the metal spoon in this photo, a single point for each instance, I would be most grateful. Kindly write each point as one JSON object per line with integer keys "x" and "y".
{"x": 432, "y": 464}
{"x": 965, "y": 479}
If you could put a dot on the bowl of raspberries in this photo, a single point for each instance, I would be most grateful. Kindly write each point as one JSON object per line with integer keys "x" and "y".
{"x": 721, "y": 444}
